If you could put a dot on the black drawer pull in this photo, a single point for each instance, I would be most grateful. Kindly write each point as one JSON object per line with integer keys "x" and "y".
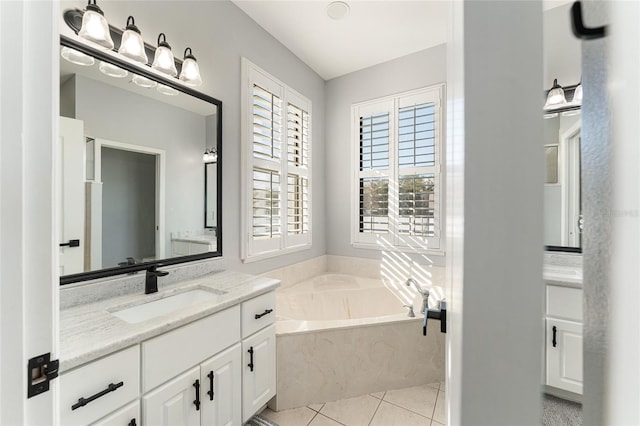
{"x": 250, "y": 358}
{"x": 211, "y": 393}
{"x": 84, "y": 401}
{"x": 197, "y": 401}
{"x": 553, "y": 341}
{"x": 266, "y": 312}
{"x": 132, "y": 422}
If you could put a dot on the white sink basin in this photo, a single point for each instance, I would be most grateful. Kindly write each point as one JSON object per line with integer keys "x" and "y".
{"x": 149, "y": 310}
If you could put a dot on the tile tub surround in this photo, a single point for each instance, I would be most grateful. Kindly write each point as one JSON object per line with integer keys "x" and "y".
{"x": 90, "y": 331}
{"x": 327, "y": 365}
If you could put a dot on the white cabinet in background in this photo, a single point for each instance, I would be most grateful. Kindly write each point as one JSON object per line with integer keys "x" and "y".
{"x": 174, "y": 402}
{"x": 564, "y": 355}
{"x": 259, "y": 370}
{"x": 563, "y": 338}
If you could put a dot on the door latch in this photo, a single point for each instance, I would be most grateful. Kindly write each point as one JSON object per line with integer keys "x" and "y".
{"x": 40, "y": 371}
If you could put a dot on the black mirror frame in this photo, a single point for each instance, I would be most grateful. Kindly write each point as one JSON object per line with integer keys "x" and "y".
{"x": 173, "y": 83}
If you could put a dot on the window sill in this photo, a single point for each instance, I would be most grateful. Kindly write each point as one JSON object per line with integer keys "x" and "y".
{"x": 275, "y": 253}
{"x": 401, "y": 249}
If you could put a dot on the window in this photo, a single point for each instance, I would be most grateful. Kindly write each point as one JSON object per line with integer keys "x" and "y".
{"x": 276, "y": 150}
{"x": 397, "y": 144}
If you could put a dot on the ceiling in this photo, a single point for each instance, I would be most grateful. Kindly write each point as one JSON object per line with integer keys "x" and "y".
{"x": 373, "y": 32}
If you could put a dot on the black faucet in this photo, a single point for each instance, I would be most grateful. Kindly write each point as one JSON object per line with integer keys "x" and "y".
{"x": 151, "y": 279}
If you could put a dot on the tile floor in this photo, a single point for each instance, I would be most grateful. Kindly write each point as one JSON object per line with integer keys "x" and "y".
{"x": 418, "y": 405}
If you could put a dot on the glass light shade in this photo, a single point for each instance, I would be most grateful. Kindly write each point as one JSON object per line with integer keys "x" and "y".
{"x": 95, "y": 28}
{"x": 577, "y": 95}
{"x": 555, "y": 97}
{"x": 163, "y": 60}
{"x": 190, "y": 73}
{"x": 76, "y": 57}
{"x": 210, "y": 156}
{"x": 166, "y": 90}
{"x": 132, "y": 47}
{"x": 143, "y": 81}
{"x": 112, "y": 70}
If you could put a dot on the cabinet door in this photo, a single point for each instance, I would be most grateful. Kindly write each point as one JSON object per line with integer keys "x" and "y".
{"x": 564, "y": 355}
{"x": 221, "y": 392}
{"x": 126, "y": 416}
{"x": 258, "y": 370}
{"x": 173, "y": 403}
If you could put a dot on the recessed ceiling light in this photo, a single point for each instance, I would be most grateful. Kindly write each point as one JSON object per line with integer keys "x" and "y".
{"x": 337, "y": 10}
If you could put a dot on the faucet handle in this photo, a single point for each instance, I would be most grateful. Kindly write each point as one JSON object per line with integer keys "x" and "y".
{"x": 410, "y": 313}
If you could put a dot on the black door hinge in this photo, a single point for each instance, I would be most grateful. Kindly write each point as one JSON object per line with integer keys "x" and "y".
{"x": 40, "y": 371}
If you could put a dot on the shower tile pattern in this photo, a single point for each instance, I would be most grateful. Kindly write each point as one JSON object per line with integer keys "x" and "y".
{"x": 417, "y": 405}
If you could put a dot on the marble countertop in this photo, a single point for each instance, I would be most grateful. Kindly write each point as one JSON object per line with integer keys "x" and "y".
{"x": 565, "y": 276}
{"x": 90, "y": 331}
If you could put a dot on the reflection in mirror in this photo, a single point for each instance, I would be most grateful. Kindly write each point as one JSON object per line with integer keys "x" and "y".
{"x": 562, "y": 207}
{"x": 131, "y": 175}
{"x": 210, "y": 197}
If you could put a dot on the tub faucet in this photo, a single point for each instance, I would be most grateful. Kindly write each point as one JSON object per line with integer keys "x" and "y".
{"x": 423, "y": 291}
{"x": 151, "y": 279}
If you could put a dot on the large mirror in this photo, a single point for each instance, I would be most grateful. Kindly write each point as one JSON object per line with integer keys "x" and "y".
{"x": 562, "y": 204}
{"x": 133, "y": 183}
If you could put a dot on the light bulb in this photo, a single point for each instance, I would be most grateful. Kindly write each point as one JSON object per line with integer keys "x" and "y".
{"x": 555, "y": 97}
{"x": 190, "y": 73}
{"x": 132, "y": 45}
{"x": 163, "y": 60}
{"x": 95, "y": 27}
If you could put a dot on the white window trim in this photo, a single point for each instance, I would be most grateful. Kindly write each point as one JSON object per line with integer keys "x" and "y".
{"x": 388, "y": 242}
{"x": 285, "y": 244}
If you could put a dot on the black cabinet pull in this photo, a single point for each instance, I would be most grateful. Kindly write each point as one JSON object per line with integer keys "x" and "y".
{"x": 197, "y": 401}
{"x": 211, "y": 393}
{"x": 71, "y": 243}
{"x": 84, "y": 401}
{"x": 250, "y": 358}
{"x": 266, "y": 312}
{"x": 553, "y": 341}
{"x": 132, "y": 422}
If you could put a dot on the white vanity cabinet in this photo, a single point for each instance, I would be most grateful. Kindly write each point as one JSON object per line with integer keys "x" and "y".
{"x": 564, "y": 338}
{"x": 259, "y": 353}
{"x": 174, "y": 402}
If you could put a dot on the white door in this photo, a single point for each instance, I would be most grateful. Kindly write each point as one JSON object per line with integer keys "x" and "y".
{"x": 28, "y": 257}
{"x": 71, "y": 205}
{"x": 258, "y": 370}
{"x": 221, "y": 385}
{"x": 173, "y": 403}
{"x": 564, "y": 355}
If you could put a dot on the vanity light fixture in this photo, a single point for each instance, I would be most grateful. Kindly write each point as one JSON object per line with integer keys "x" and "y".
{"x": 76, "y": 57}
{"x": 95, "y": 27}
{"x": 163, "y": 60}
{"x": 190, "y": 73}
{"x": 132, "y": 45}
{"x": 112, "y": 70}
{"x": 210, "y": 155}
{"x": 555, "y": 97}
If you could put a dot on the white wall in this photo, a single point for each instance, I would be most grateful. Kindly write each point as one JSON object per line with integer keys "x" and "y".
{"x": 562, "y": 50}
{"x": 220, "y": 34}
{"x": 495, "y": 168}
{"x": 413, "y": 71}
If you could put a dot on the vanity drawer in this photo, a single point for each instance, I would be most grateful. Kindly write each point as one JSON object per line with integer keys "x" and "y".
{"x": 94, "y": 379}
{"x": 564, "y": 302}
{"x": 264, "y": 308}
{"x": 168, "y": 355}
{"x": 129, "y": 415}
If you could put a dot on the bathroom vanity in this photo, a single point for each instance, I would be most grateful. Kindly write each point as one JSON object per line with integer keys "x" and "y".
{"x": 563, "y": 323}
{"x": 198, "y": 352}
